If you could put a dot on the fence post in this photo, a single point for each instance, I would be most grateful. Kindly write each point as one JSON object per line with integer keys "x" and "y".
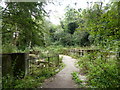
{"x": 79, "y": 53}
{"x": 118, "y": 55}
{"x": 58, "y": 60}
{"x": 118, "y": 62}
{"x": 82, "y": 52}
{"x": 48, "y": 61}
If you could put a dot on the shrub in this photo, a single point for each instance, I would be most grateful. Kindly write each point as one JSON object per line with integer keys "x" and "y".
{"x": 102, "y": 72}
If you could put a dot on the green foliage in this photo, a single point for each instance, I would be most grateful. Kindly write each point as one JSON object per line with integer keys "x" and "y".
{"x": 74, "y": 31}
{"x": 76, "y": 78}
{"x": 37, "y": 75}
{"x": 101, "y": 71}
{"x": 71, "y": 27}
{"x": 71, "y": 15}
{"x": 7, "y": 81}
{"x": 78, "y": 38}
{"x": 63, "y": 38}
{"x": 81, "y": 39}
{"x": 30, "y": 81}
{"x": 23, "y": 24}
{"x": 8, "y": 48}
{"x": 102, "y": 24}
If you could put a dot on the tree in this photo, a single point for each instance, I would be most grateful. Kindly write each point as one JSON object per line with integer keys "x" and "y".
{"x": 71, "y": 27}
{"x": 70, "y": 22}
{"x": 23, "y": 24}
{"x": 102, "y": 23}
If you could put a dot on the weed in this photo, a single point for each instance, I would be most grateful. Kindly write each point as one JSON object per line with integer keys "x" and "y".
{"x": 75, "y": 77}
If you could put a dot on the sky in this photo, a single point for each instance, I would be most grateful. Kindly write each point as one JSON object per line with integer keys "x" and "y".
{"x": 57, "y": 10}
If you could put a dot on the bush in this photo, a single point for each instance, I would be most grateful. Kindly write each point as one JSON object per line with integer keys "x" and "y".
{"x": 102, "y": 72}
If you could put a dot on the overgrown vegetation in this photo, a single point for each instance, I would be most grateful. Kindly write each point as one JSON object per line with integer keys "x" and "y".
{"x": 102, "y": 68}
{"x": 102, "y": 72}
{"x": 77, "y": 79}
{"x": 37, "y": 74}
{"x": 23, "y": 24}
{"x": 97, "y": 25}
{"x": 30, "y": 81}
{"x": 25, "y": 28}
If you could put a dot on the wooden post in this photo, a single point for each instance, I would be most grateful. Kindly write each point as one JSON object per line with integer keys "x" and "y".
{"x": 6, "y": 65}
{"x": 82, "y": 52}
{"x": 79, "y": 52}
{"x": 27, "y": 64}
{"x": 58, "y": 60}
{"x": 118, "y": 55}
{"x": 48, "y": 61}
{"x": 74, "y": 51}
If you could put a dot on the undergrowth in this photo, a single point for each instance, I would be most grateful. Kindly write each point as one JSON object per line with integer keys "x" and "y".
{"x": 102, "y": 72}
{"x": 35, "y": 79}
{"x": 77, "y": 80}
{"x": 32, "y": 80}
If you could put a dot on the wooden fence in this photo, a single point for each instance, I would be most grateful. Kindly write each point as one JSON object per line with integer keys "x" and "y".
{"x": 48, "y": 61}
{"x": 82, "y": 52}
{"x": 17, "y": 64}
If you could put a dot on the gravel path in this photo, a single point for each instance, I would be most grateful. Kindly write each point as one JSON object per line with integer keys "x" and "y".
{"x": 64, "y": 78}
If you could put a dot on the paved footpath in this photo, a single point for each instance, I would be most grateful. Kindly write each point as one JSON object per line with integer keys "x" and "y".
{"x": 63, "y": 79}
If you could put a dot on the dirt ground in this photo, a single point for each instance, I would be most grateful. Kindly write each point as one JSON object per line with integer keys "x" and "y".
{"x": 63, "y": 79}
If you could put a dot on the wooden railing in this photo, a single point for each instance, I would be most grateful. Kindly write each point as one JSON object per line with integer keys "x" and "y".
{"x": 16, "y": 64}
{"x": 43, "y": 62}
{"x": 82, "y": 52}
